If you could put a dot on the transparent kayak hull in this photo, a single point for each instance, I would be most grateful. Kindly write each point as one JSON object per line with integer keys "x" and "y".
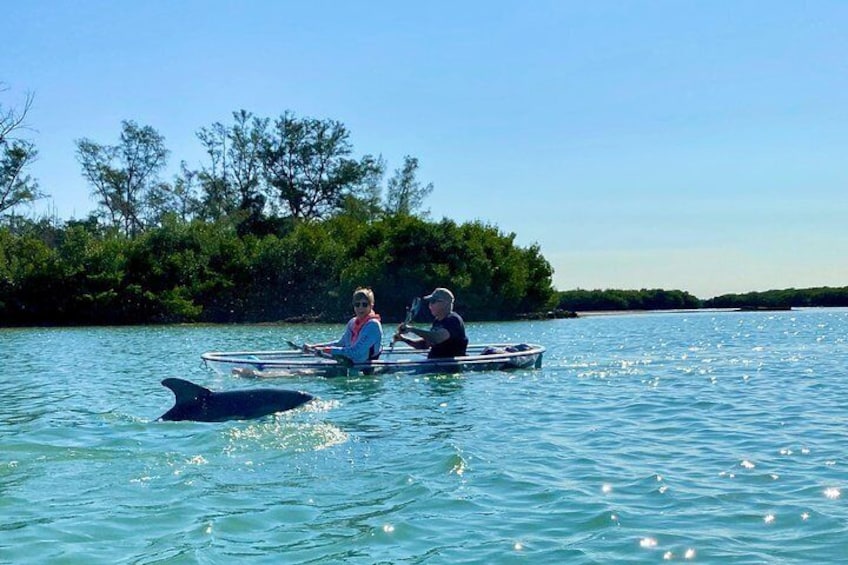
{"x": 488, "y": 357}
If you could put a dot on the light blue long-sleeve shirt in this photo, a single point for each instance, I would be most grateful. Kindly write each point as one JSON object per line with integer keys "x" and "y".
{"x": 368, "y": 345}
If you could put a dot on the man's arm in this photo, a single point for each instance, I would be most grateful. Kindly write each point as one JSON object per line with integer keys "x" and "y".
{"x": 430, "y": 337}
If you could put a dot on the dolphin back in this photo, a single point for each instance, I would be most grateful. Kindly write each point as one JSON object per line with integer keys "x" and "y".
{"x": 193, "y": 402}
{"x": 186, "y": 391}
{"x": 188, "y": 396}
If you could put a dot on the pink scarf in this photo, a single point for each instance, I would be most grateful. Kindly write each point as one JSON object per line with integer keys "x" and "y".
{"x": 358, "y": 323}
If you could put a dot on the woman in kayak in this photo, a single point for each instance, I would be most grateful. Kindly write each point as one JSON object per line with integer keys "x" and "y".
{"x": 363, "y": 336}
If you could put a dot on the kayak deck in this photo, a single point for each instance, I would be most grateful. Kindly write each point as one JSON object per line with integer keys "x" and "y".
{"x": 488, "y": 357}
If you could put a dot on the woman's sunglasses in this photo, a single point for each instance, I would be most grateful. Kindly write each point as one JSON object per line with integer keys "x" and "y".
{"x": 361, "y": 304}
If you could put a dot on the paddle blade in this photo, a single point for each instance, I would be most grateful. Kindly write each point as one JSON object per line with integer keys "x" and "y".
{"x": 413, "y": 309}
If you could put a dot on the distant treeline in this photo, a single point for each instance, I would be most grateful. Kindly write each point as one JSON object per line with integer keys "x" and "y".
{"x": 658, "y": 299}
{"x": 645, "y": 299}
{"x": 786, "y": 298}
{"x": 83, "y": 273}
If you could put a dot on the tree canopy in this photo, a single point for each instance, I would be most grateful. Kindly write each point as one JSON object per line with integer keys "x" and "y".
{"x": 17, "y": 187}
{"x": 282, "y": 221}
{"x": 125, "y": 177}
{"x": 199, "y": 271}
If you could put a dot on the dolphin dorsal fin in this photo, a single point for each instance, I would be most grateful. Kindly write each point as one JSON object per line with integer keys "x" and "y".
{"x": 186, "y": 391}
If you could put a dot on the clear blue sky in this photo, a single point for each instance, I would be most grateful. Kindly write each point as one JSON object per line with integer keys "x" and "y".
{"x": 700, "y": 146}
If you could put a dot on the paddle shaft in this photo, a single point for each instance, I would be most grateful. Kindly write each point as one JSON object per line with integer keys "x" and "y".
{"x": 344, "y": 361}
{"x": 410, "y": 313}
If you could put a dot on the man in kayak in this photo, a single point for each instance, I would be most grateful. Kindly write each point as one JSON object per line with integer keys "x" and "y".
{"x": 363, "y": 336}
{"x": 446, "y": 337}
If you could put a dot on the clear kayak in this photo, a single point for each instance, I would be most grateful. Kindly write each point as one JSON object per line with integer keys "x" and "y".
{"x": 490, "y": 357}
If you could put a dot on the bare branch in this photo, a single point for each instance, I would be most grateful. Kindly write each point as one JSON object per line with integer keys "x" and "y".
{"x": 12, "y": 119}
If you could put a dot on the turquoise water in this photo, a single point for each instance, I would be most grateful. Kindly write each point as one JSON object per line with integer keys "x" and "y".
{"x": 700, "y": 437}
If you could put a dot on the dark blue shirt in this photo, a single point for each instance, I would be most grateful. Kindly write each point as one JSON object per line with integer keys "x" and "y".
{"x": 456, "y": 344}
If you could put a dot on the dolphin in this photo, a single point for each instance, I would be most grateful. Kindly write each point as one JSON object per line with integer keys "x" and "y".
{"x": 193, "y": 402}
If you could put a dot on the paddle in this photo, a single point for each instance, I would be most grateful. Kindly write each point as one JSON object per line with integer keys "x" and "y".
{"x": 341, "y": 360}
{"x": 410, "y": 314}
{"x": 412, "y": 311}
